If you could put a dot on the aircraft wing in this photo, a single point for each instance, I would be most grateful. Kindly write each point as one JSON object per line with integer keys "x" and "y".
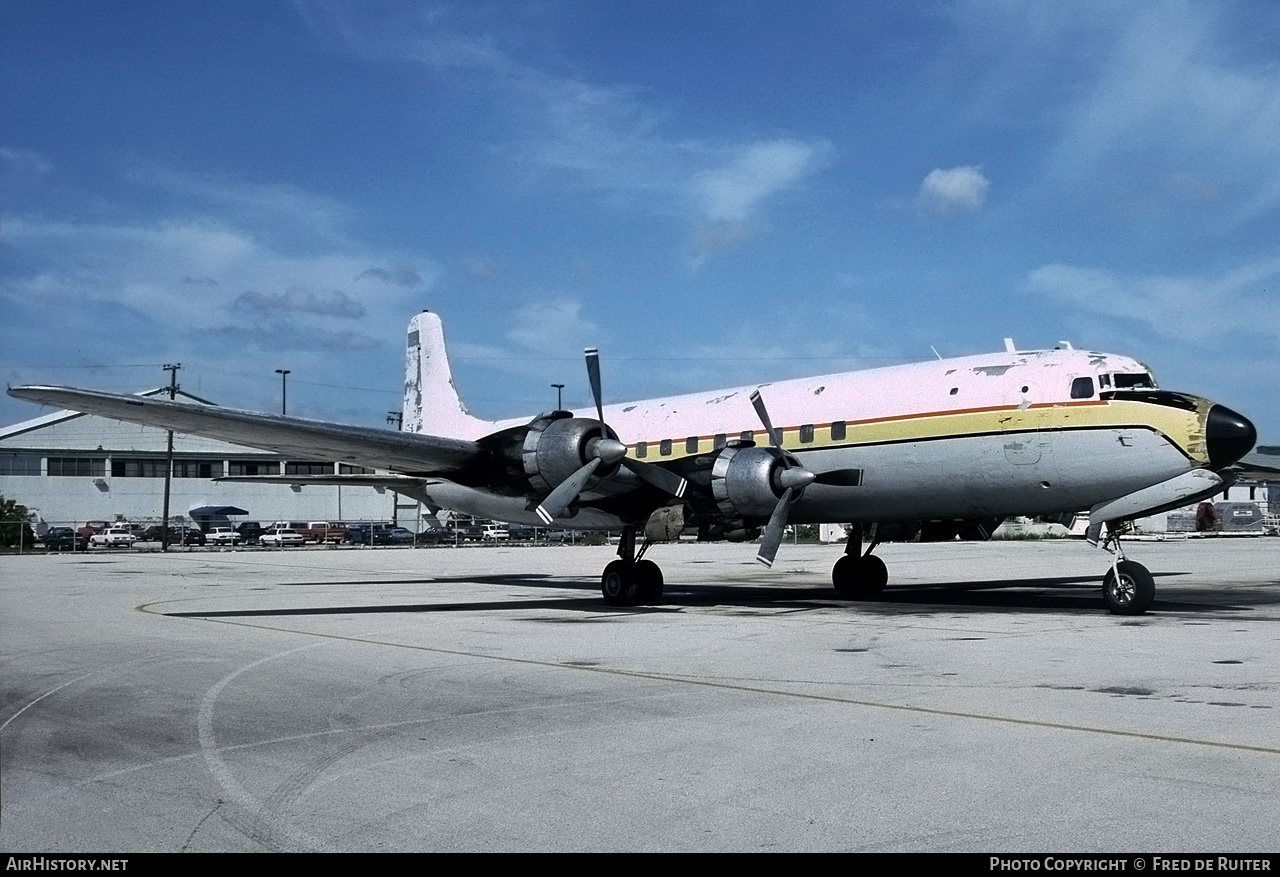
{"x": 291, "y": 436}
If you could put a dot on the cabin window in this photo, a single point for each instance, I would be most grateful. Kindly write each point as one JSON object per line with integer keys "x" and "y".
{"x": 747, "y": 436}
{"x": 1104, "y": 381}
{"x": 1082, "y": 388}
{"x": 806, "y": 432}
{"x": 665, "y": 448}
{"x": 955, "y": 390}
{"x": 838, "y": 430}
{"x": 348, "y": 469}
{"x": 691, "y": 445}
{"x": 642, "y": 449}
{"x": 719, "y": 441}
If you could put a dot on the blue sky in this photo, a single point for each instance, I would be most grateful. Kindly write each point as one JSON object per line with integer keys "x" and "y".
{"x": 712, "y": 193}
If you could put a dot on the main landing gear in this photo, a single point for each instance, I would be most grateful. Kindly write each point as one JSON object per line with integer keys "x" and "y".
{"x": 1128, "y": 587}
{"x": 859, "y": 576}
{"x": 630, "y": 580}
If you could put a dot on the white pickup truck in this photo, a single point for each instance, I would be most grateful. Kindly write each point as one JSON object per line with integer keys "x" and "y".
{"x": 113, "y": 537}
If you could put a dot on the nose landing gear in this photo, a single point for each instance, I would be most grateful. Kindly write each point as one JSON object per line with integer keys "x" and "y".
{"x": 1128, "y": 587}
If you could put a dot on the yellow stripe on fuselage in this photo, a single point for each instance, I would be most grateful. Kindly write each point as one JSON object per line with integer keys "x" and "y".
{"x": 1183, "y": 428}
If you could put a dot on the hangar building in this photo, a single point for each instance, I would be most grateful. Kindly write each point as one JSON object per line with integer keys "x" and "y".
{"x": 72, "y": 467}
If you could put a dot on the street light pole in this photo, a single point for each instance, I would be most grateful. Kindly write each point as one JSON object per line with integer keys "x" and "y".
{"x": 172, "y": 369}
{"x": 559, "y": 397}
{"x": 284, "y": 389}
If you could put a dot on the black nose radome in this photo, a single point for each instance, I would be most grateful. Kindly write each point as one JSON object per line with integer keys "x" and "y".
{"x": 1229, "y": 436}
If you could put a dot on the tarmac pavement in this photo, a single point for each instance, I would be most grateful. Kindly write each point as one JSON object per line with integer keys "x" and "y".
{"x": 479, "y": 699}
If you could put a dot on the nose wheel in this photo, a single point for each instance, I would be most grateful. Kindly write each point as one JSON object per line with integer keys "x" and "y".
{"x": 1128, "y": 588}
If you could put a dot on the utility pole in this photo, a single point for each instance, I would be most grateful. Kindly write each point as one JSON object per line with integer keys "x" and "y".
{"x": 284, "y": 389}
{"x": 172, "y": 369}
{"x": 397, "y": 418}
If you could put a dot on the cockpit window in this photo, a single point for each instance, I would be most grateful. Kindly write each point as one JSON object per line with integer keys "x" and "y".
{"x": 1135, "y": 382}
{"x": 1082, "y": 388}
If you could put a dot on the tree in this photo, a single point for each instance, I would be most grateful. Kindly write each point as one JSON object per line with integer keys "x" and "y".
{"x": 13, "y": 524}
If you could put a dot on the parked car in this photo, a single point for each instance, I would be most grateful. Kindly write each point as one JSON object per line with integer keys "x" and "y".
{"x": 64, "y": 539}
{"x": 113, "y": 537}
{"x": 180, "y": 534}
{"x": 221, "y": 536}
{"x": 394, "y": 536}
{"x": 495, "y": 533}
{"x": 435, "y": 536}
{"x": 461, "y": 531}
{"x": 320, "y": 531}
{"x": 250, "y": 532}
{"x": 280, "y": 537}
{"x": 92, "y": 527}
{"x": 377, "y": 534}
{"x": 358, "y": 534}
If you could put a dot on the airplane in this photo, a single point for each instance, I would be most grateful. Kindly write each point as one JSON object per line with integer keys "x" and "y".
{"x": 938, "y": 450}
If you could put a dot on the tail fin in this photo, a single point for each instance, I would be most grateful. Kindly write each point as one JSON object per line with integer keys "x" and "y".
{"x": 431, "y": 402}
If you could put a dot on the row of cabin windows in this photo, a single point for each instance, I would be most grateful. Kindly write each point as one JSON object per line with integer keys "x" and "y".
{"x": 149, "y": 467}
{"x": 839, "y": 430}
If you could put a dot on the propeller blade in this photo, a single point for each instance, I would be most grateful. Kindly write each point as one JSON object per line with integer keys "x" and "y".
{"x": 773, "y": 532}
{"x": 566, "y": 492}
{"x": 840, "y": 478}
{"x": 663, "y": 479}
{"x": 593, "y": 375}
{"x": 763, "y": 414}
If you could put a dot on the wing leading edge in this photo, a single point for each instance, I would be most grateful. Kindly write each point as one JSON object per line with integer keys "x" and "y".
{"x": 292, "y": 436}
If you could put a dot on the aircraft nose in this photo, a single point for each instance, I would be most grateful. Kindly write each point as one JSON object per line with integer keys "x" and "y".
{"x": 1228, "y": 436}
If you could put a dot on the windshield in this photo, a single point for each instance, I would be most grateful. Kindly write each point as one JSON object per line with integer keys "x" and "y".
{"x": 1141, "y": 381}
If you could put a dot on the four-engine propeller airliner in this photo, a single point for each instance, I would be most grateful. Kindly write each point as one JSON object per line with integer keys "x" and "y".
{"x": 942, "y": 449}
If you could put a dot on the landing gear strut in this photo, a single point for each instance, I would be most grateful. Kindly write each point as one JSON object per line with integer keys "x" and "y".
{"x": 1128, "y": 587}
{"x": 630, "y": 580}
{"x": 859, "y": 576}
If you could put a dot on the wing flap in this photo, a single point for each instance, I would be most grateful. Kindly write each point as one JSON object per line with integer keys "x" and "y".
{"x": 291, "y": 436}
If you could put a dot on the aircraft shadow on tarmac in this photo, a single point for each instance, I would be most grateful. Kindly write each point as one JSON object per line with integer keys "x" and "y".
{"x": 1048, "y": 594}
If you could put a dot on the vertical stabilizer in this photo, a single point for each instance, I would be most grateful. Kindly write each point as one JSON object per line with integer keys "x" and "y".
{"x": 431, "y": 402}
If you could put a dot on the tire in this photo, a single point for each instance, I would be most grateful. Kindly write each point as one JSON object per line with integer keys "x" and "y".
{"x": 619, "y": 585}
{"x": 860, "y": 578}
{"x": 1132, "y": 593}
{"x": 649, "y": 582}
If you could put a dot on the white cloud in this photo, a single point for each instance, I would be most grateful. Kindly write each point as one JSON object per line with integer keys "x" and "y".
{"x": 955, "y": 189}
{"x": 554, "y": 327}
{"x": 610, "y": 139}
{"x": 731, "y": 193}
{"x": 1190, "y": 308}
{"x": 24, "y": 163}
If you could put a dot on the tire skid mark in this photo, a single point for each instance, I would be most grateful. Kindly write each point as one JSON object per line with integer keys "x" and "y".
{"x": 259, "y": 827}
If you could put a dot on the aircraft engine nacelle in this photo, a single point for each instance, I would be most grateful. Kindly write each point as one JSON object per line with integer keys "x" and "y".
{"x": 744, "y": 481}
{"x": 555, "y": 448}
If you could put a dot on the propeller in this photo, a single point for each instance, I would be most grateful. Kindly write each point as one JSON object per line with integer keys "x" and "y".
{"x": 792, "y": 480}
{"x": 605, "y": 451}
